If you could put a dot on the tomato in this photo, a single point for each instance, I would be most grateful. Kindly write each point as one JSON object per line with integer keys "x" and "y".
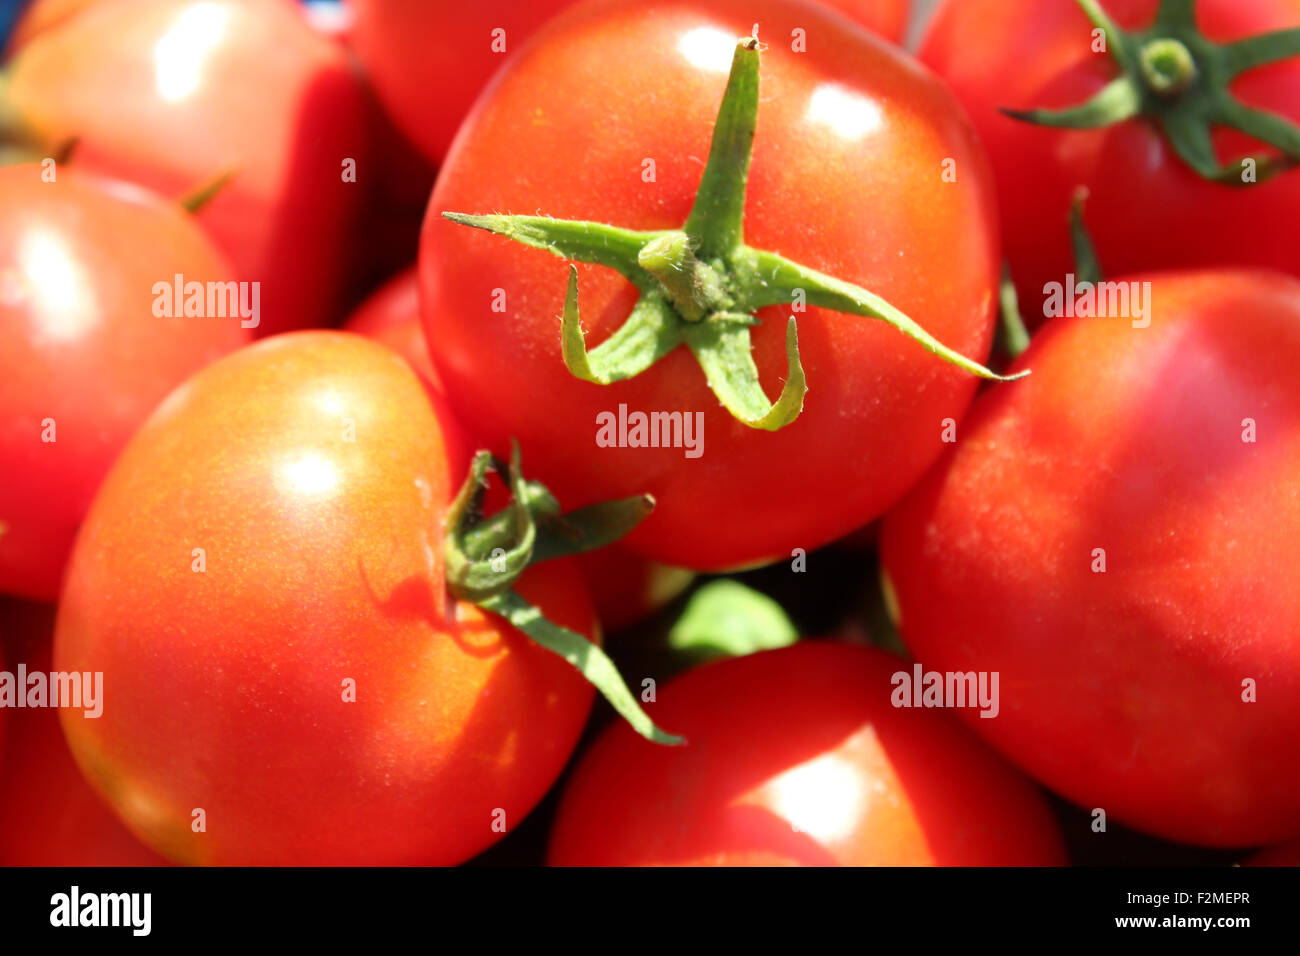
{"x": 392, "y": 315}
{"x": 409, "y": 47}
{"x": 627, "y": 588}
{"x": 567, "y": 130}
{"x": 314, "y": 472}
{"x": 797, "y": 756}
{"x": 1147, "y": 209}
{"x": 49, "y": 816}
{"x": 1118, "y": 536}
{"x": 174, "y": 93}
{"x": 85, "y": 356}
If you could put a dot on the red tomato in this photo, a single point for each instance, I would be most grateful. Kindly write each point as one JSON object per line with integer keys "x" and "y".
{"x": 1146, "y": 209}
{"x": 392, "y": 315}
{"x": 315, "y": 474}
{"x": 173, "y": 93}
{"x": 1164, "y": 689}
{"x": 409, "y": 47}
{"x": 86, "y": 358}
{"x": 797, "y": 756}
{"x": 565, "y": 131}
{"x": 627, "y": 588}
{"x": 48, "y": 814}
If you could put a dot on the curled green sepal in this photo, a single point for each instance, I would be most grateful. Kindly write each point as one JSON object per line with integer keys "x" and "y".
{"x": 650, "y": 332}
{"x": 484, "y": 556}
{"x": 785, "y": 280}
{"x": 1171, "y": 73}
{"x": 588, "y": 658}
{"x": 575, "y": 239}
{"x": 484, "y": 559}
{"x": 722, "y": 347}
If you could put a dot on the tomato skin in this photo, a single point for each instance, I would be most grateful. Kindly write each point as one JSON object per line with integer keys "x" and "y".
{"x": 324, "y": 563}
{"x": 627, "y": 588}
{"x": 49, "y": 816}
{"x": 409, "y": 47}
{"x": 931, "y": 250}
{"x": 1146, "y": 208}
{"x": 1124, "y": 689}
{"x": 804, "y": 736}
{"x": 391, "y": 314}
{"x": 79, "y": 258}
{"x": 173, "y": 93}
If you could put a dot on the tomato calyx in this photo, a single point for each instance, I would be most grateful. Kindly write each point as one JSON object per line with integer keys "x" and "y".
{"x": 486, "y": 555}
{"x": 1175, "y": 76}
{"x": 20, "y": 142}
{"x": 701, "y": 285}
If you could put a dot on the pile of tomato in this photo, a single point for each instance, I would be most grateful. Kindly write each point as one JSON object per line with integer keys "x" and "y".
{"x": 603, "y": 432}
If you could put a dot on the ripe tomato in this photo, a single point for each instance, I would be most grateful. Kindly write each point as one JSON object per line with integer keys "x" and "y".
{"x": 49, "y": 816}
{"x": 797, "y": 756}
{"x": 627, "y": 588}
{"x": 1147, "y": 209}
{"x": 173, "y": 93}
{"x": 86, "y": 358}
{"x": 569, "y": 128}
{"x": 392, "y": 315}
{"x": 314, "y": 473}
{"x": 409, "y": 47}
{"x": 1118, "y": 536}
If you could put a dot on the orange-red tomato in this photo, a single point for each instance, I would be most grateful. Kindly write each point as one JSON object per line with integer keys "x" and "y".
{"x": 174, "y": 93}
{"x": 49, "y": 816}
{"x": 797, "y": 756}
{"x": 1118, "y": 536}
{"x": 261, "y": 581}
{"x": 86, "y": 357}
{"x": 628, "y": 588}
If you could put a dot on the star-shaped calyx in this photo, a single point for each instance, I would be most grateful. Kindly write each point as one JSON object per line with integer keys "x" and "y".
{"x": 1173, "y": 75}
{"x": 701, "y": 284}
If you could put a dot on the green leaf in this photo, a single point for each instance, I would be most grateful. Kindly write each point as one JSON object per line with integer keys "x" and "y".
{"x": 651, "y": 331}
{"x": 722, "y": 347}
{"x": 588, "y": 658}
{"x": 724, "y": 618}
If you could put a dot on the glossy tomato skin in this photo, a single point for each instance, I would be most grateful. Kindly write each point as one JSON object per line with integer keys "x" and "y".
{"x": 409, "y": 47}
{"x": 174, "y": 93}
{"x": 85, "y": 357}
{"x": 49, "y": 816}
{"x": 850, "y": 132}
{"x": 323, "y": 566}
{"x": 1146, "y": 209}
{"x": 1126, "y": 689}
{"x": 796, "y": 756}
{"x": 627, "y": 588}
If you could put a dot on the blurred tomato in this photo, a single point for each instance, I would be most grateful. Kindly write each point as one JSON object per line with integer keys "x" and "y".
{"x": 174, "y": 93}
{"x": 392, "y": 315}
{"x": 85, "y": 356}
{"x": 49, "y": 816}
{"x": 797, "y": 756}
{"x": 627, "y": 587}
